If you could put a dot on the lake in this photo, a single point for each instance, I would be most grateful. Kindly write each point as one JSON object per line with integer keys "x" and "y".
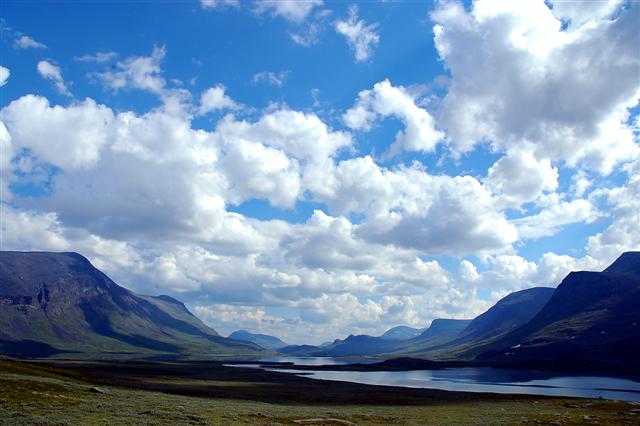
{"x": 476, "y": 379}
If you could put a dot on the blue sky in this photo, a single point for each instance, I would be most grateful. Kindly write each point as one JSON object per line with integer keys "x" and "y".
{"x": 341, "y": 167}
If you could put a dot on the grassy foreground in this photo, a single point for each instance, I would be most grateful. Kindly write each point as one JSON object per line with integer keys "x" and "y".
{"x": 109, "y": 394}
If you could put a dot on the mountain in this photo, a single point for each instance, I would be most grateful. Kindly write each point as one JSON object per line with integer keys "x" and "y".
{"x": 507, "y": 314}
{"x": 436, "y": 336}
{"x": 401, "y": 332}
{"x": 441, "y": 331}
{"x": 592, "y": 319}
{"x": 627, "y": 263}
{"x": 263, "y": 340}
{"x": 52, "y": 303}
{"x": 464, "y": 339}
{"x": 361, "y": 345}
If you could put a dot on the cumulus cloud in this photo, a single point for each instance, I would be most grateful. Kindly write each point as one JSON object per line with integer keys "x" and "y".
{"x": 291, "y": 10}
{"x": 361, "y": 38}
{"x": 408, "y": 207}
{"x": 385, "y": 100}
{"x": 6, "y": 166}
{"x": 25, "y": 229}
{"x": 69, "y": 137}
{"x": 4, "y": 75}
{"x": 214, "y": 98}
{"x": 623, "y": 233}
{"x": 26, "y": 42}
{"x": 139, "y": 72}
{"x": 303, "y": 136}
{"x": 52, "y": 72}
{"x": 553, "y": 216}
{"x": 505, "y": 273}
{"x": 516, "y": 75}
{"x": 455, "y": 216}
{"x": 519, "y": 177}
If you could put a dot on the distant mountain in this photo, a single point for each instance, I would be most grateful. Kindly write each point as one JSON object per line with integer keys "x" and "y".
{"x": 401, "y": 332}
{"x": 53, "y": 303}
{"x": 507, "y": 314}
{"x": 441, "y": 331}
{"x": 263, "y": 340}
{"x": 361, "y": 345}
{"x": 593, "y": 318}
{"x": 450, "y": 339}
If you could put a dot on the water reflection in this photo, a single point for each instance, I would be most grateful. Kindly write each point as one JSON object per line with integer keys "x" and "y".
{"x": 483, "y": 379}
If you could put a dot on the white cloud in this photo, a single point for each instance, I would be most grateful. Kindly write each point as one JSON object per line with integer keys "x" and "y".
{"x": 214, "y": 4}
{"x": 519, "y": 177}
{"x": 52, "y": 72}
{"x": 580, "y": 183}
{"x": 4, "y": 75}
{"x": 507, "y": 272}
{"x": 297, "y": 145}
{"x": 270, "y": 77}
{"x": 408, "y": 207}
{"x": 580, "y": 13}
{"x": 26, "y": 42}
{"x": 69, "y": 137}
{"x": 258, "y": 171}
{"x": 457, "y": 216}
{"x": 361, "y": 38}
{"x": 230, "y": 318}
{"x": 6, "y": 168}
{"x": 623, "y": 234}
{"x": 25, "y": 230}
{"x": 303, "y": 136}
{"x": 98, "y": 58}
{"x": 385, "y": 100}
{"x": 553, "y": 216}
{"x": 139, "y": 72}
{"x": 188, "y": 175}
{"x": 518, "y": 79}
{"x": 291, "y": 10}
{"x": 214, "y": 98}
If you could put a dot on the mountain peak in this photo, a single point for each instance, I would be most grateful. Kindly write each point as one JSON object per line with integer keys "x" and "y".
{"x": 401, "y": 332}
{"x": 628, "y": 262}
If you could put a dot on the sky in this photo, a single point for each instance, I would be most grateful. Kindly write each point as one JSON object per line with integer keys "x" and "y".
{"x": 314, "y": 169}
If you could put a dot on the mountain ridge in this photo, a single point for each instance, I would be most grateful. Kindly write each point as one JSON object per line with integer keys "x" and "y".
{"x": 264, "y": 340}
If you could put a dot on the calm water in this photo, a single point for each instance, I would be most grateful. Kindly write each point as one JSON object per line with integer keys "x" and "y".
{"x": 478, "y": 380}
{"x": 318, "y": 360}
